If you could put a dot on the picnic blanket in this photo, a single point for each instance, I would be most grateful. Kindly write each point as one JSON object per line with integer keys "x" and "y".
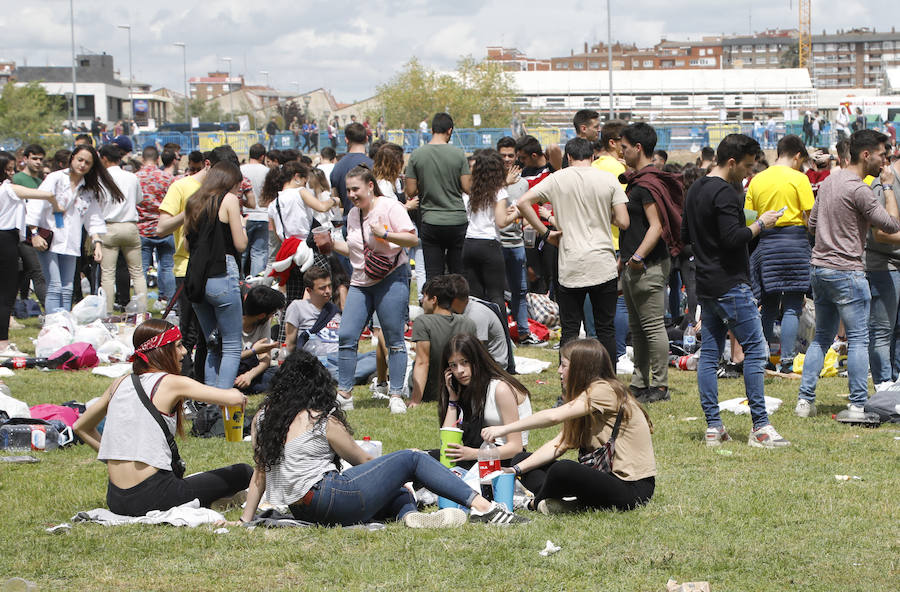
{"x": 188, "y": 514}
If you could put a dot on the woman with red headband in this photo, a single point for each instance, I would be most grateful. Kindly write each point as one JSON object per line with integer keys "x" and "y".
{"x": 145, "y": 471}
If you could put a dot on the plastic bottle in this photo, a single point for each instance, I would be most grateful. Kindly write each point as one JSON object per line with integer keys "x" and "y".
{"x": 690, "y": 339}
{"x": 173, "y": 318}
{"x": 371, "y": 446}
{"x": 488, "y": 463}
{"x": 28, "y": 437}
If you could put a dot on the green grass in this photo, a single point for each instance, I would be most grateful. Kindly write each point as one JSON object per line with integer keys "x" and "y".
{"x": 754, "y": 520}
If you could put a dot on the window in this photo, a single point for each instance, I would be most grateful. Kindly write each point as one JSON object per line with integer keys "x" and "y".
{"x": 83, "y": 64}
{"x": 648, "y": 63}
{"x": 760, "y": 49}
{"x": 773, "y": 59}
{"x": 715, "y": 101}
{"x": 817, "y": 47}
{"x": 843, "y": 47}
{"x": 562, "y": 66}
{"x": 591, "y": 101}
{"x": 578, "y": 65}
{"x": 830, "y": 47}
{"x": 679, "y": 63}
{"x": 679, "y": 101}
{"x": 556, "y": 101}
{"x": 635, "y": 64}
{"x": 746, "y": 48}
{"x": 593, "y": 65}
{"x": 888, "y": 45}
{"x": 209, "y": 88}
{"x": 642, "y": 101}
{"x": 702, "y": 52}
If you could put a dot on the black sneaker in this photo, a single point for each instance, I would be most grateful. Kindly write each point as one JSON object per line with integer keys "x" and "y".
{"x": 657, "y": 393}
{"x": 730, "y": 370}
{"x": 497, "y": 515}
{"x": 533, "y": 341}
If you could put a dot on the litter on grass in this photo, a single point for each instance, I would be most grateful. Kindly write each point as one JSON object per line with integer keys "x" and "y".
{"x": 740, "y": 405}
{"x": 549, "y": 549}
{"x": 847, "y": 478}
{"x": 673, "y": 586}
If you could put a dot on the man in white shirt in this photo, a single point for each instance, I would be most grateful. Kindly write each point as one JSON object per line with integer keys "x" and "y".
{"x": 121, "y": 229}
{"x": 257, "y": 252}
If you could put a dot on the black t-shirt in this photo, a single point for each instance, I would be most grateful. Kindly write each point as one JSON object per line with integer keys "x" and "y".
{"x": 339, "y": 173}
{"x": 630, "y": 239}
{"x": 714, "y": 224}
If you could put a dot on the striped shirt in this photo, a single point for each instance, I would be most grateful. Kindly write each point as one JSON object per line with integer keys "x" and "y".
{"x": 307, "y": 458}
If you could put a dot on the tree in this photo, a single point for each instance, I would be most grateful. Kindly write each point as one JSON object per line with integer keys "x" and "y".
{"x": 417, "y": 92}
{"x": 206, "y": 111}
{"x": 790, "y": 57}
{"x": 29, "y": 115}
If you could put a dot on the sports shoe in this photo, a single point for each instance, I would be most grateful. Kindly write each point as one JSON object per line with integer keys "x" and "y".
{"x": 550, "y": 506}
{"x": 446, "y": 518}
{"x": 346, "y": 403}
{"x": 729, "y": 370}
{"x": 235, "y": 501}
{"x": 855, "y": 412}
{"x": 532, "y": 341}
{"x": 766, "y": 437}
{"x": 379, "y": 390}
{"x": 655, "y": 394}
{"x": 786, "y": 366}
{"x": 555, "y": 346}
{"x": 11, "y": 351}
{"x": 716, "y": 435}
{"x": 397, "y": 405}
{"x": 497, "y": 515}
{"x": 15, "y": 325}
{"x": 805, "y": 408}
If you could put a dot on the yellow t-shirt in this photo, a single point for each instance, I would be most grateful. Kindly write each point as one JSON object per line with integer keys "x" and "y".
{"x": 868, "y": 180}
{"x": 611, "y": 165}
{"x": 173, "y": 204}
{"x": 778, "y": 187}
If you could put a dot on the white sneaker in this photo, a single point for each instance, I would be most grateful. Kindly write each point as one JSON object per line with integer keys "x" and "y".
{"x": 855, "y": 412}
{"x": 396, "y": 405}
{"x": 446, "y": 518}
{"x": 14, "y": 324}
{"x": 883, "y": 386}
{"x": 767, "y": 437}
{"x": 805, "y": 408}
{"x": 346, "y": 403}
{"x": 379, "y": 390}
{"x": 11, "y": 351}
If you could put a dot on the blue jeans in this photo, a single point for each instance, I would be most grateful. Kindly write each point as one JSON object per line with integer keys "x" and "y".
{"x": 257, "y": 246}
{"x": 884, "y": 325}
{"x": 60, "y": 273}
{"x": 839, "y": 296}
{"x": 621, "y": 323}
{"x": 589, "y": 328}
{"x": 374, "y": 490}
{"x": 517, "y": 281}
{"x": 165, "y": 272}
{"x": 735, "y": 310}
{"x": 365, "y": 366}
{"x": 390, "y": 299}
{"x": 792, "y": 302}
{"x": 221, "y": 309}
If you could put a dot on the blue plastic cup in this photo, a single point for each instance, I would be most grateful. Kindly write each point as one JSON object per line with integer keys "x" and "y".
{"x": 58, "y": 217}
{"x": 446, "y": 503}
{"x": 504, "y": 485}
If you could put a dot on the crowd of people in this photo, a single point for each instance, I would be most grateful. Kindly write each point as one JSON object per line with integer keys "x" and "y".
{"x": 605, "y": 233}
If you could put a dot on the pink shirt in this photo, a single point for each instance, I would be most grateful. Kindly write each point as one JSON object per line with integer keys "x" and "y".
{"x": 388, "y": 213}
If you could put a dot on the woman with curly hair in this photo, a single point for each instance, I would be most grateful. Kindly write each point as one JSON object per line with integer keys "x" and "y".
{"x": 596, "y": 406}
{"x": 299, "y": 436}
{"x": 487, "y": 209}
{"x": 134, "y": 447}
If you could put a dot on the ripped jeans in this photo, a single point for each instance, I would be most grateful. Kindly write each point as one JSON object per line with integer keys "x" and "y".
{"x": 390, "y": 299}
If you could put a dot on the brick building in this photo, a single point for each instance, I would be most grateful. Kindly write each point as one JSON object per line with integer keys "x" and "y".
{"x": 515, "y": 60}
{"x": 215, "y": 84}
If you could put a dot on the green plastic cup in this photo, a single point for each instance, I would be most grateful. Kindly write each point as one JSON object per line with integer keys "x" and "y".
{"x": 449, "y": 436}
{"x": 750, "y": 216}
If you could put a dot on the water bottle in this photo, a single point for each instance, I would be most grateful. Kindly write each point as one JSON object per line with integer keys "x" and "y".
{"x": 371, "y": 447}
{"x": 488, "y": 463}
{"x": 690, "y": 339}
{"x": 18, "y": 437}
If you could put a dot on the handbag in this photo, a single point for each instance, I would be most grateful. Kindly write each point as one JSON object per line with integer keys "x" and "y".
{"x": 178, "y": 465}
{"x": 376, "y": 266}
{"x": 44, "y": 233}
{"x": 602, "y": 458}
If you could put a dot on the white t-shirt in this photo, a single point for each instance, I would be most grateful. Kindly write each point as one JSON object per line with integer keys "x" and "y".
{"x": 125, "y": 210}
{"x": 327, "y": 167}
{"x": 256, "y": 173}
{"x": 303, "y": 314}
{"x": 296, "y": 214}
{"x": 491, "y": 415}
{"x": 12, "y": 210}
{"x": 80, "y": 209}
{"x": 482, "y": 224}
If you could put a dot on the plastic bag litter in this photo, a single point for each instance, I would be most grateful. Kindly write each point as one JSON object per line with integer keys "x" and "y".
{"x": 549, "y": 549}
{"x": 61, "y": 317}
{"x": 740, "y": 405}
{"x": 51, "y": 338}
{"x": 624, "y": 365}
{"x": 673, "y": 586}
{"x": 94, "y": 333}
{"x": 830, "y": 367}
{"x": 90, "y": 308}
{"x": 113, "y": 370}
{"x": 114, "y": 351}
{"x": 530, "y": 365}
{"x": 14, "y": 407}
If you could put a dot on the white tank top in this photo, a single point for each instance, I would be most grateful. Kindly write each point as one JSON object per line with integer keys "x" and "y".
{"x": 131, "y": 433}
{"x": 492, "y": 414}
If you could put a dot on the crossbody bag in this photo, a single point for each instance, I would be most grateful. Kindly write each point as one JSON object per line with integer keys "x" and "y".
{"x": 376, "y": 266}
{"x": 178, "y": 465}
{"x": 602, "y": 457}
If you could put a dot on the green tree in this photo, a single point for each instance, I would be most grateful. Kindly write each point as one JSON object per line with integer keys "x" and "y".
{"x": 28, "y": 114}
{"x": 790, "y": 57}
{"x": 417, "y": 92}
{"x": 207, "y": 111}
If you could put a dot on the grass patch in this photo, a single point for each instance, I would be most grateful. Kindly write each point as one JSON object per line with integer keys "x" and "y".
{"x": 755, "y": 520}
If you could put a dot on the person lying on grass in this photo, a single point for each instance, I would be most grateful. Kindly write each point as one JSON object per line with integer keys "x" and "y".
{"x": 134, "y": 447}
{"x": 478, "y": 393}
{"x": 299, "y": 436}
{"x": 593, "y": 400}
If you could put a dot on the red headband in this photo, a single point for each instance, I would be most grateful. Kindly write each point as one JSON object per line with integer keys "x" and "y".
{"x": 170, "y": 336}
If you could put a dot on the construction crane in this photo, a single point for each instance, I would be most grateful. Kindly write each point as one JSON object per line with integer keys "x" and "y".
{"x": 804, "y": 37}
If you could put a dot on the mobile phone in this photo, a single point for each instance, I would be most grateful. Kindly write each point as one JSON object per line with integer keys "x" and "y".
{"x": 782, "y": 211}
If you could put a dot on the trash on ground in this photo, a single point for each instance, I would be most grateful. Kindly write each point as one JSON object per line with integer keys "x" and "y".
{"x": 549, "y": 549}
{"x": 740, "y": 405}
{"x": 847, "y": 478}
{"x": 64, "y": 527}
{"x": 673, "y": 586}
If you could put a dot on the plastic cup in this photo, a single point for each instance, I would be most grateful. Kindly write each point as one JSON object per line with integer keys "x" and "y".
{"x": 234, "y": 423}
{"x": 322, "y": 238}
{"x": 447, "y": 503}
{"x": 750, "y": 216}
{"x": 449, "y": 436}
{"x": 529, "y": 236}
{"x": 503, "y": 486}
{"x": 58, "y": 218}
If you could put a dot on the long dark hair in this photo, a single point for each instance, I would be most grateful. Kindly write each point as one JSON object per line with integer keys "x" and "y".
{"x": 5, "y": 159}
{"x": 204, "y": 203}
{"x": 278, "y": 176}
{"x": 589, "y": 362}
{"x": 163, "y": 358}
{"x": 473, "y": 396}
{"x": 301, "y": 384}
{"x": 96, "y": 179}
{"x": 488, "y": 177}
{"x": 388, "y": 162}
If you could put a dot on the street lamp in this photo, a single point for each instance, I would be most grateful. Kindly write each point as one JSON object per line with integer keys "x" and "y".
{"x": 74, "y": 67}
{"x": 130, "y": 71}
{"x": 230, "y": 95}
{"x": 266, "y": 74}
{"x": 187, "y": 94}
{"x": 306, "y": 100}
{"x": 609, "y": 57}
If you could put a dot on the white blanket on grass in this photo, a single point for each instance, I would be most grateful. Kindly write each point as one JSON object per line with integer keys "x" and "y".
{"x": 188, "y": 514}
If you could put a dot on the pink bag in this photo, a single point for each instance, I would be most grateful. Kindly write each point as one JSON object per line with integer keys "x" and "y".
{"x": 83, "y": 356}
{"x": 67, "y": 415}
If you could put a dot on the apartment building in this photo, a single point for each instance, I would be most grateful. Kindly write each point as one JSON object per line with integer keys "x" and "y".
{"x": 854, "y": 59}
{"x": 215, "y": 84}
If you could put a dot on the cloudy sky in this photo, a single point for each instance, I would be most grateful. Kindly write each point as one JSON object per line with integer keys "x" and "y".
{"x": 350, "y": 47}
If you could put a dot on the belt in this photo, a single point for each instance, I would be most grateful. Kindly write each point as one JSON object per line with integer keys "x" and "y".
{"x": 306, "y": 499}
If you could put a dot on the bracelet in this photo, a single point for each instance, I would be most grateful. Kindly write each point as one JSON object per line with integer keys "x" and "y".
{"x": 760, "y": 224}
{"x": 637, "y": 258}
{"x": 518, "y": 470}
{"x": 97, "y": 242}
{"x": 453, "y": 404}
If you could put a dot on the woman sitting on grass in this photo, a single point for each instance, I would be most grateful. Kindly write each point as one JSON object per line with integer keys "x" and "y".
{"x": 478, "y": 393}
{"x": 134, "y": 447}
{"x": 593, "y": 399}
{"x": 299, "y": 435}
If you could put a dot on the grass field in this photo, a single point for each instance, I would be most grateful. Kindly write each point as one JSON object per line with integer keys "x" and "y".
{"x": 749, "y": 520}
